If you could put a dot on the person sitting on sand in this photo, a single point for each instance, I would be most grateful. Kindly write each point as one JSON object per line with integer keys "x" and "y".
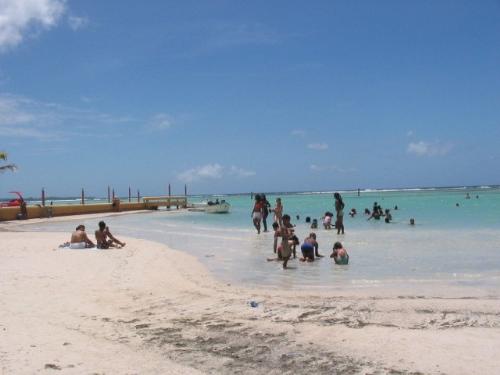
{"x": 310, "y": 248}
{"x": 79, "y": 239}
{"x": 102, "y": 235}
{"x": 339, "y": 254}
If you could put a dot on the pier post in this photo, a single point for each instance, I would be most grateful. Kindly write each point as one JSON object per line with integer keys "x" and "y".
{"x": 43, "y": 196}
{"x": 129, "y": 195}
{"x": 113, "y": 194}
{"x": 138, "y": 196}
{"x": 83, "y": 196}
{"x": 185, "y": 190}
{"x": 109, "y": 194}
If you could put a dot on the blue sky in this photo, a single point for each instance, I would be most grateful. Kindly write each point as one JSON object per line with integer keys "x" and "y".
{"x": 239, "y": 96}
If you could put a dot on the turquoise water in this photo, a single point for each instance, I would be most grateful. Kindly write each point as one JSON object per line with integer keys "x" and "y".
{"x": 450, "y": 245}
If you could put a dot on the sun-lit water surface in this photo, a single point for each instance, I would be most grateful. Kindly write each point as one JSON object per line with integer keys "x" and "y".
{"x": 452, "y": 245}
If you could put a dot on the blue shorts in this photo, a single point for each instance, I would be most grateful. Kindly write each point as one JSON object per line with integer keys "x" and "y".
{"x": 307, "y": 250}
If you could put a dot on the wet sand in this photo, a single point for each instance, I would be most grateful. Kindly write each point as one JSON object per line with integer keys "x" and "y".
{"x": 148, "y": 309}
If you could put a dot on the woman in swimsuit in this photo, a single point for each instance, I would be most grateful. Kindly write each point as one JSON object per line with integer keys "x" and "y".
{"x": 339, "y": 208}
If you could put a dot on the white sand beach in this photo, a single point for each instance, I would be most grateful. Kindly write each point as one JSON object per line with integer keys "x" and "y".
{"x": 147, "y": 309}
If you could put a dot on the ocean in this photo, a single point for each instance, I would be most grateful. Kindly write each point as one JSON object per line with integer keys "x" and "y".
{"x": 455, "y": 242}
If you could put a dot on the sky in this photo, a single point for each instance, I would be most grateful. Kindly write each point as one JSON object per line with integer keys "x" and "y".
{"x": 239, "y": 96}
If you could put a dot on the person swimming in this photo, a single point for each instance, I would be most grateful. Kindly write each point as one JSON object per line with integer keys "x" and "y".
{"x": 314, "y": 224}
{"x": 339, "y": 254}
{"x": 388, "y": 216}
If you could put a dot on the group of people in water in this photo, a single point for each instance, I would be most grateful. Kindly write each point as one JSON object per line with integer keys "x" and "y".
{"x": 103, "y": 236}
{"x": 284, "y": 230}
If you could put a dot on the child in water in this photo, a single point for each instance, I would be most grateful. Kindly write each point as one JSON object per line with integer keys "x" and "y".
{"x": 310, "y": 249}
{"x": 339, "y": 254}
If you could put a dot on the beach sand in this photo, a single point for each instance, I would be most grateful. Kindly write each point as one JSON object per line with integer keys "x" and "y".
{"x": 147, "y": 309}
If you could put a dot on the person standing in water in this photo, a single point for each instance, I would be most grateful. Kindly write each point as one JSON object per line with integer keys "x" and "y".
{"x": 257, "y": 212}
{"x": 278, "y": 211}
{"x": 339, "y": 209}
{"x": 265, "y": 211}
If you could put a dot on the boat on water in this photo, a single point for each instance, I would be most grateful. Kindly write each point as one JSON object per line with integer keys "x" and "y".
{"x": 210, "y": 207}
{"x": 16, "y": 202}
{"x": 218, "y": 208}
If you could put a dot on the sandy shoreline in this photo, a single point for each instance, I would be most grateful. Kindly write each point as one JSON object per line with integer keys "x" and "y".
{"x": 148, "y": 309}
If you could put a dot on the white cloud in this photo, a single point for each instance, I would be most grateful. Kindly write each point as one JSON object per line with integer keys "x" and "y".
{"x": 298, "y": 133}
{"x": 21, "y": 17}
{"x": 423, "y": 148}
{"x": 77, "y": 23}
{"x": 211, "y": 171}
{"x": 240, "y": 172}
{"x": 317, "y": 146}
{"x": 328, "y": 168}
{"x": 161, "y": 121}
{"x": 22, "y": 117}
{"x": 410, "y": 133}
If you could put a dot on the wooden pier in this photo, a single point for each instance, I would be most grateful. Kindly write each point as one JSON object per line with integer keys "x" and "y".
{"x": 153, "y": 203}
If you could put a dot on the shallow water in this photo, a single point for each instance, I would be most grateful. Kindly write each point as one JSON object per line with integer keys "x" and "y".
{"x": 450, "y": 245}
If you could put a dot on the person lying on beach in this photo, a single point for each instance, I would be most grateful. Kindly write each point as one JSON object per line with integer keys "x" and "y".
{"x": 105, "y": 239}
{"x": 310, "y": 248}
{"x": 339, "y": 254}
{"x": 79, "y": 239}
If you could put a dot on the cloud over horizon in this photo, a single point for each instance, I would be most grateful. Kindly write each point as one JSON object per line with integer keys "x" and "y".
{"x": 423, "y": 148}
{"x": 18, "y": 18}
{"x": 318, "y": 146}
{"x": 212, "y": 171}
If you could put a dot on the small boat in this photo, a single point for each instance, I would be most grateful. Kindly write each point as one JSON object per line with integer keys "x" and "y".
{"x": 210, "y": 207}
{"x": 221, "y": 207}
{"x": 16, "y": 202}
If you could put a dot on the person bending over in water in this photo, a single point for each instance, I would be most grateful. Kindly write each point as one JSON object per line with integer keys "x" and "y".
{"x": 105, "y": 239}
{"x": 79, "y": 239}
{"x": 339, "y": 254}
{"x": 310, "y": 248}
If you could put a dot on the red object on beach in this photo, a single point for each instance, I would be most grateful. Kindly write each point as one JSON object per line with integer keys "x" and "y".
{"x": 13, "y": 202}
